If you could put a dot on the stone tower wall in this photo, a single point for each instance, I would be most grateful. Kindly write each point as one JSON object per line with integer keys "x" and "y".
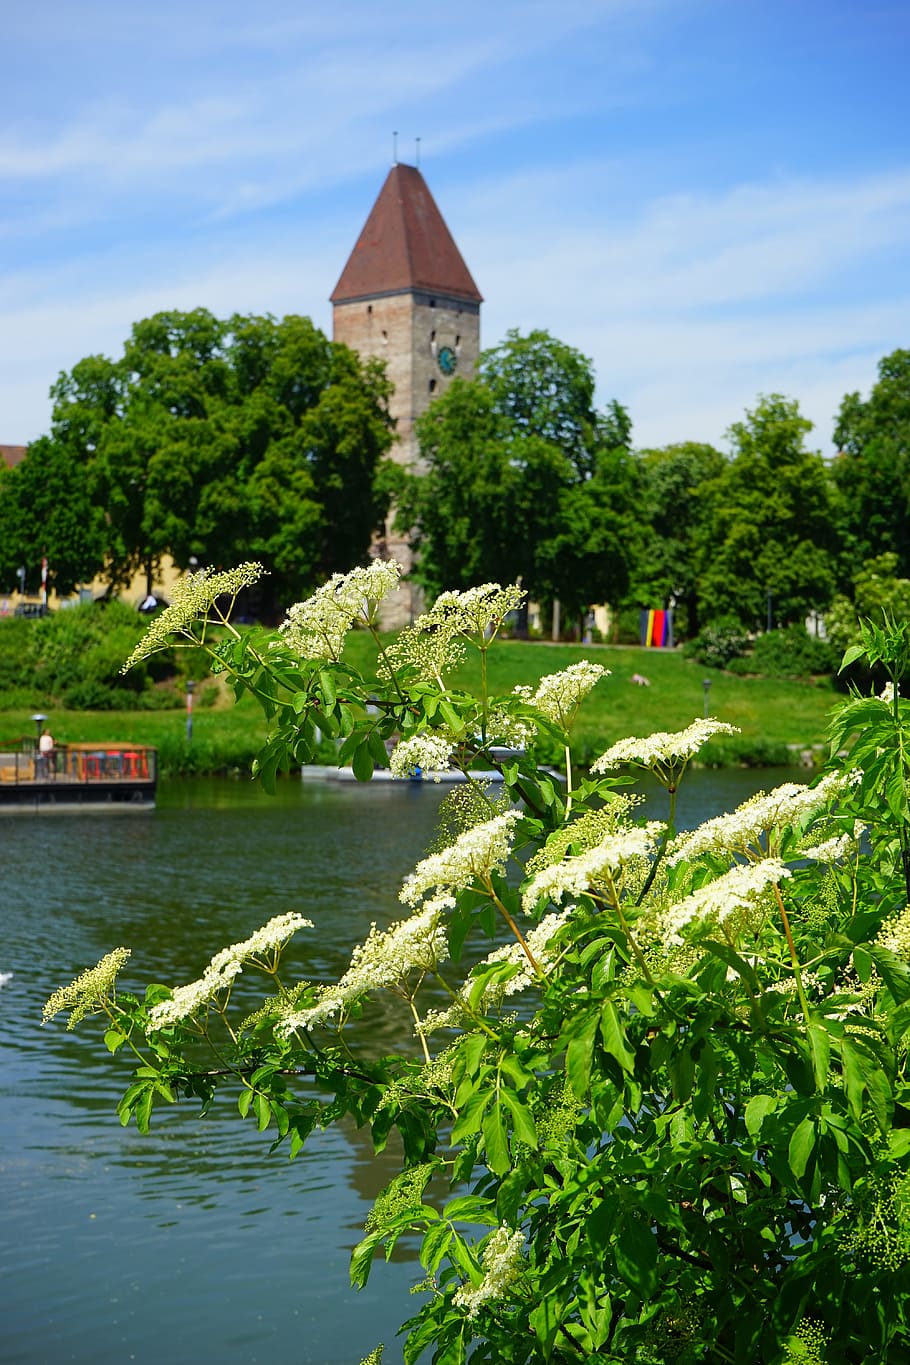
{"x": 407, "y": 332}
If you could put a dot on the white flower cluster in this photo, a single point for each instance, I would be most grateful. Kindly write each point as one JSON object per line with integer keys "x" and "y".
{"x": 384, "y": 960}
{"x": 223, "y": 967}
{"x": 316, "y": 628}
{"x": 89, "y": 990}
{"x": 501, "y": 1260}
{"x": 742, "y": 830}
{"x": 721, "y": 900}
{"x": 539, "y": 942}
{"x": 832, "y": 850}
{"x": 479, "y": 851}
{"x": 895, "y": 934}
{"x": 887, "y": 694}
{"x": 191, "y": 598}
{"x": 473, "y": 613}
{"x": 575, "y": 875}
{"x": 504, "y": 728}
{"x": 663, "y": 748}
{"x": 427, "y": 752}
{"x": 558, "y": 695}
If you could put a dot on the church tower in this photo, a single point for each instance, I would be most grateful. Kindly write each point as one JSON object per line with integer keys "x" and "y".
{"x": 407, "y": 297}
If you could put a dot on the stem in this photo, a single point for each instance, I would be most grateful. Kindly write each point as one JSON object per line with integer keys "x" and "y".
{"x": 662, "y": 846}
{"x": 538, "y": 970}
{"x": 636, "y": 951}
{"x": 568, "y": 780}
{"x": 483, "y": 694}
{"x": 419, "y": 1031}
{"x": 793, "y": 958}
{"x": 388, "y": 663}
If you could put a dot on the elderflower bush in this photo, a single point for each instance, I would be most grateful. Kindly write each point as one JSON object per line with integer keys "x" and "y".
{"x": 665, "y": 1116}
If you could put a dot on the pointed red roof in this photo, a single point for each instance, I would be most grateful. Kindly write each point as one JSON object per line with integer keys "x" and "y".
{"x": 405, "y": 245}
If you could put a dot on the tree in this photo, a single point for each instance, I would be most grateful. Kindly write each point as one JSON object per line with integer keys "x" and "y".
{"x": 767, "y": 546}
{"x": 45, "y": 512}
{"x": 674, "y": 492}
{"x": 524, "y": 479}
{"x": 872, "y": 468}
{"x": 210, "y": 440}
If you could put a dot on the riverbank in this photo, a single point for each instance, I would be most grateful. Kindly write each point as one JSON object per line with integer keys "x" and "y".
{"x": 780, "y": 721}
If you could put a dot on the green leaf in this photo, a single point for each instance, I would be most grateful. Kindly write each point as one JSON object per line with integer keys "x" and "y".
{"x": 820, "y": 1051}
{"x": 450, "y": 715}
{"x": 362, "y": 1258}
{"x": 469, "y": 1120}
{"x": 377, "y": 749}
{"x": 362, "y": 762}
{"x": 327, "y": 685}
{"x": 893, "y": 971}
{"x": 244, "y": 1100}
{"x": 636, "y": 1255}
{"x": 435, "y": 1245}
{"x": 470, "y": 1208}
{"x": 495, "y": 1141}
{"x": 544, "y": 1319}
{"x": 522, "y": 1121}
{"x": 802, "y": 1145}
{"x": 681, "y": 1067}
{"x": 732, "y": 959}
{"x": 851, "y": 655}
{"x": 614, "y": 1037}
{"x": 580, "y": 1051}
{"x": 114, "y": 1039}
{"x": 757, "y": 1110}
{"x": 262, "y": 1110}
{"x": 143, "y": 1109}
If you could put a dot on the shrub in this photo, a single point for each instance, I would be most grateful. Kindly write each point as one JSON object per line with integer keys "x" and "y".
{"x": 788, "y": 653}
{"x": 75, "y": 657}
{"x": 717, "y": 644}
{"x": 671, "y": 1105}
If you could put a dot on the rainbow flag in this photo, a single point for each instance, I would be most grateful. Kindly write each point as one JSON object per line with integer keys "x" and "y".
{"x": 656, "y": 627}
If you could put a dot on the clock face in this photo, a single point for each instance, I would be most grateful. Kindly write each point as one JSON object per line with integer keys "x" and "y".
{"x": 447, "y": 360}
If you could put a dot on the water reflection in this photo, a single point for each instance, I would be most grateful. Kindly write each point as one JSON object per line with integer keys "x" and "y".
{"x": 194, "y": 1241}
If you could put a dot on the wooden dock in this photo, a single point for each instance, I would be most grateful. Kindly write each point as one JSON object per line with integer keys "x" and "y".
{"x": 77, "y": 777}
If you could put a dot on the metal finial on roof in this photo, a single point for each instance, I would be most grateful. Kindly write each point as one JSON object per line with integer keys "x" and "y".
{"x": 394, "y": 149}
{"x": 418, "y": 154}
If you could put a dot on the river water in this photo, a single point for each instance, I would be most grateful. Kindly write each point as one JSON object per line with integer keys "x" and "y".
{"x": 194, "y": 1241}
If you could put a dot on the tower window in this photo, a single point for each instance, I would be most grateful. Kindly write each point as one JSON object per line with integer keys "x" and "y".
{"x": 432, "y": 386}
{"x": 385, "y": 338}
{"x": 369, "y": 308}
{"x": 457, "y": 342}
{"x": 433, "y": 335}
{"x": 432, "y": 303}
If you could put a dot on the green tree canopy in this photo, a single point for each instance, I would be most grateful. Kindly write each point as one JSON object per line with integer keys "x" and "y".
{"x": 675, "y": 481}
{"x": 524, "y": 479}
{"x": 872, "y": 468}
{"x": 215, "y": 440}
{"x": 769, "y": 524}
{"x": 46, "y": 511}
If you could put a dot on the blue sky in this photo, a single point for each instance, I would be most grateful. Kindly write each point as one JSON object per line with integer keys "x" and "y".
{"x": 710, "y": 200}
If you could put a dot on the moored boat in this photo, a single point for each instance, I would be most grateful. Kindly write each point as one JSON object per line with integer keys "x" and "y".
{"x": 76, "y": 776}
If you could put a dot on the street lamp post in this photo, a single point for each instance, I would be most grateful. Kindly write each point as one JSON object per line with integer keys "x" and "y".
{"x": 190, "y": 689}
{"x": 706, "y": 684}
{"x": 39, "y": 718}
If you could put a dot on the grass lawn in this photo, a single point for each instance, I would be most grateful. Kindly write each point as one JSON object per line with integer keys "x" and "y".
{"x": 770, "y": 712}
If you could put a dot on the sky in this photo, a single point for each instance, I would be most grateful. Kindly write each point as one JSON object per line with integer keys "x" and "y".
{"x": 709, "y": 199}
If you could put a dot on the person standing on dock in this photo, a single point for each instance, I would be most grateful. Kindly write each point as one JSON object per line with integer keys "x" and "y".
{"x": 45, "y": 754}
